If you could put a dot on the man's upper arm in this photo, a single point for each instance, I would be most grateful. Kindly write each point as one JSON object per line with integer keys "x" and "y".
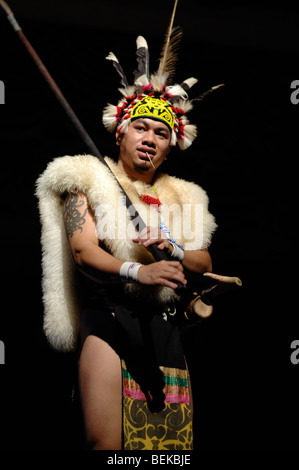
{"x": 79, "y": 222}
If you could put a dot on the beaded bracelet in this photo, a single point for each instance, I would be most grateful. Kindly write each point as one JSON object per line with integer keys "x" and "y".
{"x": 129, "y": 270}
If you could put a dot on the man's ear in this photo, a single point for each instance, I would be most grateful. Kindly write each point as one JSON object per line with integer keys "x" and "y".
{"x": 118, "y": 137}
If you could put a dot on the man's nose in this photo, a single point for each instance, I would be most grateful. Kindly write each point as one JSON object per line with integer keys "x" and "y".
{"x": 149, "y": 138}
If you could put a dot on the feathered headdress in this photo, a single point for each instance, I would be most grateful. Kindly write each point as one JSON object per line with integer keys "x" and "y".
{"x": 152, "y": 95}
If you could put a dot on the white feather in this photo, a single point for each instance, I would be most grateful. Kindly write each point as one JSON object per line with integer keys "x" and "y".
{"x": 217, "y": 86}
{"x": 141, "y": 42}
{"x": 109, "y": 114}
{"x": 158, "y": 80}
{"x": 126, "y": 91}
{"x": 177, "y": 90}
{"x": 185, "y": 105}
{"x": 112, "y": 56}
{"x": 173, "y": 140}
{"x": 190, "y": 81}
{"x": 142, "y": 81}
{"x": 190, "y": 131}
{"x": 123, "y": 128}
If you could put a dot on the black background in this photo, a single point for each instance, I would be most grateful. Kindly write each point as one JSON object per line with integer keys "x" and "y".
{"x": 244, "y": 384}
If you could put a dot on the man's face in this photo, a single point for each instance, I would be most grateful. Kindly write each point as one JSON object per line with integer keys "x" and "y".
{"x": 144, "y": 137}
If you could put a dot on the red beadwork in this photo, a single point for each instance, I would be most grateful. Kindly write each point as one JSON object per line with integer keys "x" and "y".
{"x": 151, "y": 201}
{"x": 179, "y": 111}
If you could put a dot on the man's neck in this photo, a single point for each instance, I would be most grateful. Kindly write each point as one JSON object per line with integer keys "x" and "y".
{"x": 137, "y": 174}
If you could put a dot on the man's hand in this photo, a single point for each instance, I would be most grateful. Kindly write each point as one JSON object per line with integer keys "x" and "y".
{"x": 163, "y": 273}
{"x": 151, "y": 236}
{"x": 195, "y": 261}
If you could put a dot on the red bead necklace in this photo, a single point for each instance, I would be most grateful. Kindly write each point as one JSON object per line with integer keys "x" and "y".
{"x": 151, "y": 201}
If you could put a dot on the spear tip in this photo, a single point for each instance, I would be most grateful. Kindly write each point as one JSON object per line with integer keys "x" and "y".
{"x": 10, "y": 16}
{"x": 6, "y": 8}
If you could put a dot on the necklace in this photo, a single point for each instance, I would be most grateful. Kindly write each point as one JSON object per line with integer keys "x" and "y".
{"x": 151, "y": 201}
{"x": 155, "y": 201}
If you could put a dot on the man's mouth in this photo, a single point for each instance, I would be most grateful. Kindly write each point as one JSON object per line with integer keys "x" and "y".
{"x": 146, "y": 153}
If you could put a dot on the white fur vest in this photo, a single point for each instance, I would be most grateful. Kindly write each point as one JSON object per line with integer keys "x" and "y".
{"x": 184, "y": 210}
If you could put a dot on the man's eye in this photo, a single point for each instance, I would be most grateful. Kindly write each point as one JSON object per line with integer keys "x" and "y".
{"x": 162, "y": 134}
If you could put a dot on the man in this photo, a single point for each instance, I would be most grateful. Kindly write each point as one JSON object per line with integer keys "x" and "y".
{"x": 134, "y": 385}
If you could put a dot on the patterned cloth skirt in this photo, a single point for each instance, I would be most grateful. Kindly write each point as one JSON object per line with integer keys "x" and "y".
{"x": 157, "y": 408}
{"x": 167, "y": 429}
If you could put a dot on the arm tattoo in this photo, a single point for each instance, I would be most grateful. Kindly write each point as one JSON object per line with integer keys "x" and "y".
{"x": 73, "y": 217}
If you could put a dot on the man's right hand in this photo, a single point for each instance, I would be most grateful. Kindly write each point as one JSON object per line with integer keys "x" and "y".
{"x": 162, "y": 273}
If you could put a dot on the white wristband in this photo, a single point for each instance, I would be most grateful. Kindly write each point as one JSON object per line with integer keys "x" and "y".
{"x": 177, "y": 252}
{"x": 129, "y": 270}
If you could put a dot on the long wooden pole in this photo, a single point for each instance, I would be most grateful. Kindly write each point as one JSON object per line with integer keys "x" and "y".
{"x": 136, "y": 218}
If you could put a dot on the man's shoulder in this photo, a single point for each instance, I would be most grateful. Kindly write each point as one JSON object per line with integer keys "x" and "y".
{"x": 68, "y": 166}
{"x": 72, "y": 174}
{"x": 73, "y": 161}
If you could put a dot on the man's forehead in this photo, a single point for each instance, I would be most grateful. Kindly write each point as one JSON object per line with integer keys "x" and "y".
{"x": 150, "y": 122}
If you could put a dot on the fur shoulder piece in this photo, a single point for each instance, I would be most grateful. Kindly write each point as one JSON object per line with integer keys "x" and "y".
{"x": 190, "y": 222}
{"x": 86, "y": 174}
{"x": 61, "y": 305}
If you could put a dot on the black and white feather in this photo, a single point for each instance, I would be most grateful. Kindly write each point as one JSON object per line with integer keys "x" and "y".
{"x": 142, "y": 59}
{"x": 207, "y": 92}
{"x": 124, "y": 82}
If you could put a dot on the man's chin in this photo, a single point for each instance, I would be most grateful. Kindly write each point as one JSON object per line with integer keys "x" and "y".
{"x": 142, "y": 166}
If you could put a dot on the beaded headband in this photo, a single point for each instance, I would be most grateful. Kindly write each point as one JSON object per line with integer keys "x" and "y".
{"x": 154, "y": 108}
{"x": 152, "y": 96}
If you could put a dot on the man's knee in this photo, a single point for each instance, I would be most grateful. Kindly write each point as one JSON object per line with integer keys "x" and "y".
{"x": 102, "y": 443}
